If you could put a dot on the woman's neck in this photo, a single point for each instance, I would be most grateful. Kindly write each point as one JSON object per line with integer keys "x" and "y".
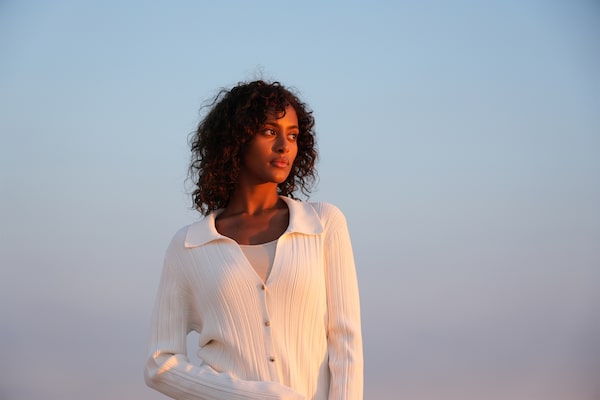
{"x": 253, "y": 217}
{"x": 253, "y": 200}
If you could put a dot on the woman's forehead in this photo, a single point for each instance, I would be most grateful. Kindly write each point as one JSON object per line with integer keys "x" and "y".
{"x": 278, "y": 113}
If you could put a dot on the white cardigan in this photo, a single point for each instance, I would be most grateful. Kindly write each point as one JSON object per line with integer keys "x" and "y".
{"x": 298, "y": 336}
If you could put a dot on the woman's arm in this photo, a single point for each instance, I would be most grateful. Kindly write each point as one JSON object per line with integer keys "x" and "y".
{"x": 174, "y": 376}
{"x": 343, "y": 311}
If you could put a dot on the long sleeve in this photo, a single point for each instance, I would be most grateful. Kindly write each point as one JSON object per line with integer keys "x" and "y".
{"x": 343, "y": 315}
{"x": 168, "y": 369}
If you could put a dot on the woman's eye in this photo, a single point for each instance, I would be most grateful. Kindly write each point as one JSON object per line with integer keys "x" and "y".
{"x": 293, "y": 136}
{"x": 270, "y": 132}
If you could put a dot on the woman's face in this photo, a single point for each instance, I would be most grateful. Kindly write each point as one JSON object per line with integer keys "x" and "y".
{"x": 270, "y": 154}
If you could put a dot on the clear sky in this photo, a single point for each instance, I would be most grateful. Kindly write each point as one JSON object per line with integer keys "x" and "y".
{"x": 461, "y": 139}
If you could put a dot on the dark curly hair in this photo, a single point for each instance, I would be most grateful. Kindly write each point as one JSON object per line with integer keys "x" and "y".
{"x": 232, "y": 121}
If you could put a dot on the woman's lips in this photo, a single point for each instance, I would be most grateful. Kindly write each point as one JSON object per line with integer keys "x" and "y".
{"x": 280, "y": 163}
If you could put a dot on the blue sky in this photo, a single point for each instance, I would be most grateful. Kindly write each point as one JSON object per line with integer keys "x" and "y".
{"x": 461, "y": 139}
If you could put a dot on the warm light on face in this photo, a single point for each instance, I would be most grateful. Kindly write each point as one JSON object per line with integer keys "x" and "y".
{"x": 270, "y": 154}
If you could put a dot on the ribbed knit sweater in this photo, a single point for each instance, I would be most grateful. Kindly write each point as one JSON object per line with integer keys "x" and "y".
{"x": 295, "y": 336}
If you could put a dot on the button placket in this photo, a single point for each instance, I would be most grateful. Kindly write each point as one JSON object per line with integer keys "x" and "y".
{"x": 270, "y": 355}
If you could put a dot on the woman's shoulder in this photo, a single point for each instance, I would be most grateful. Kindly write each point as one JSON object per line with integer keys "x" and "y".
{"x": 315, "y": 213}
{"x": 178, "y": 239}
{"x": 327, "y": 211}
{"x": 192, "y": 234}
{"x": 323, "y": 207}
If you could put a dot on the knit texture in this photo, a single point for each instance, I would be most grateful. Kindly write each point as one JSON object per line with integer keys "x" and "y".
{"x": 296, "y": 336}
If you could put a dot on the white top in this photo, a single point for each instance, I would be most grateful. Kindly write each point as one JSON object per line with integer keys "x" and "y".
{"x": 297, "y": 336}
{"x": 261, "y": 257}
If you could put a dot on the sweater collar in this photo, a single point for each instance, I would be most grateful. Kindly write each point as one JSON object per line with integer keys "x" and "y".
{"x": 303, "y": 219}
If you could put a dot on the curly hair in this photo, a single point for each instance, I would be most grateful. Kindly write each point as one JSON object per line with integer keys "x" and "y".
{"x": 234, "y": 117}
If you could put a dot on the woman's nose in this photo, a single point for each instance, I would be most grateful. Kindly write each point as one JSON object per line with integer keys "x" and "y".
{"x": 282, "y": 145}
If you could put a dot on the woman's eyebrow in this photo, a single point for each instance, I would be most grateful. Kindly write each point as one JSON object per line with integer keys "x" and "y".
{"x": 274, "y": 123}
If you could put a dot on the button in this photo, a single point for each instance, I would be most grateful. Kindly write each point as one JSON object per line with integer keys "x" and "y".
{"x": 268, "y": 323}
{"x": 263, "y": 287}
{"x": 272, "y": 359}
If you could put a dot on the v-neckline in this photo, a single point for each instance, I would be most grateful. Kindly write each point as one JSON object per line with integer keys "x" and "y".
{"x": 250, "y": 267}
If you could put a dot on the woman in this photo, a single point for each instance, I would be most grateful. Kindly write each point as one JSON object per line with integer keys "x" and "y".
{"x": 267, "y": 281}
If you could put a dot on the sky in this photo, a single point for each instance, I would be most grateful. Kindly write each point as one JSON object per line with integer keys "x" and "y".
{"x": 461, "y": 139}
